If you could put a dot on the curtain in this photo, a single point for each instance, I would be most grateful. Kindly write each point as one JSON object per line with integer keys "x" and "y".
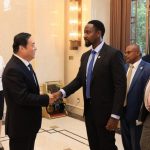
{"x": 148, "y": 27}
{"x": 120, "y": 14}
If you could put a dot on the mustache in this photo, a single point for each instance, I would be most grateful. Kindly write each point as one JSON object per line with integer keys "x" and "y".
{"x": 86, "y": 40}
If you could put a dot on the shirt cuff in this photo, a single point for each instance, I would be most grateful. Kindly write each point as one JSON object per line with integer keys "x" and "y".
{"x": 63, "y": 93}
{"x": 138, "y": 122}
{"x": 115, "y": 116}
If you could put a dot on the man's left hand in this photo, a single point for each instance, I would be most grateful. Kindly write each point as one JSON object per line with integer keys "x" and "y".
{"x": 112, "y": 124}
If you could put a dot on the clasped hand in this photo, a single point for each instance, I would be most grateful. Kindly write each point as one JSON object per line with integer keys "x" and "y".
{"x": 54, "y": 97}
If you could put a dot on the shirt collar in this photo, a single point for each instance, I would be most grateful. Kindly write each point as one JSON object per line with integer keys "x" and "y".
{"x": 136, "y": 64}
{"x": 99, "y": 47}
{"x": 23, "y": 60}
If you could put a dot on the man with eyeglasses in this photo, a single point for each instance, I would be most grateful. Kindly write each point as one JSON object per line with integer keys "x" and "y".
{"x": 138, "y": 73}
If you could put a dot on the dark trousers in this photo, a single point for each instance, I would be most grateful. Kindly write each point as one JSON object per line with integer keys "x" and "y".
{"x": 131, "y": 134}
{"x": 22, "y": 143}
{"x": 1, "y": 104}
{"x": 99, "y": 138}
{"x": 145, "y": 137}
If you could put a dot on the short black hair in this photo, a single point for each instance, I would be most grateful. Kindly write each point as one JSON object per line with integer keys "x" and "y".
{"x": 98, "y": 25}
{"x": 20, "y": 39}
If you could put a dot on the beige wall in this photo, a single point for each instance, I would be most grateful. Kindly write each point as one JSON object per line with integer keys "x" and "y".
{"x": 92, "y": 9}
{"x": 100, "y": 9}
{"x": 40, "y": 18}
{"x": 71, "y": 66}
{"x": 46, "y": 20}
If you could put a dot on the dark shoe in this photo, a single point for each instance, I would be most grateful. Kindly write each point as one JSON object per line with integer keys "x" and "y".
{"x": 1, "y": 147}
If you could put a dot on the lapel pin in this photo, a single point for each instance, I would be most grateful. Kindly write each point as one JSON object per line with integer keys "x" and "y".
{"x": 99, "y": 57}
{"x": 141, "y": 68}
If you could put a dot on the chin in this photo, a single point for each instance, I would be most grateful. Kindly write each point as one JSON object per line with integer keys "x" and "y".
{"x": 87, "y": 44}
{"x": 127, "y": 61}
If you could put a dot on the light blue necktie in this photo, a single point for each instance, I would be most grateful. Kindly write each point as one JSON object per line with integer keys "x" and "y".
{"x": 89, "y": 75}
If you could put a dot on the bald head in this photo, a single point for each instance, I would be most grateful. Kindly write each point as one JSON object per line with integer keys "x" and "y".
{"x": 135, "y": 47}
{"x": 132, "y": 53}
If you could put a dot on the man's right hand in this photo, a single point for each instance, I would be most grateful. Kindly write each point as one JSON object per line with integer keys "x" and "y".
{"x": 51, "y": 99}
{"x": 57, "y": 95}
{"x": 54, "y": 97}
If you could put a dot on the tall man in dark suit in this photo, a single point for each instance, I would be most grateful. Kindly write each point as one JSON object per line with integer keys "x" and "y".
{"x": 137, "y": 75}
{"x": 21, "y": 91}
{"x": 102, "y": 76}
{"x": 145, "y": 118}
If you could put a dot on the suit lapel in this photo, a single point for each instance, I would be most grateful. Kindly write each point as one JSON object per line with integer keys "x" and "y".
{"x": 126, "y": 67}
{"x": 99, "y": 59}
{"x": 85, "y": 61}
{"x": 137, "y": 75}
{"x": 24, "y": 68}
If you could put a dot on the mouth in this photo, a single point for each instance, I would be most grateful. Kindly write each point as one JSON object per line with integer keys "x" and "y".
{"x": 127, "y": 60}
{"x": 87, "y": 43}
{"x": 86, "y": 40}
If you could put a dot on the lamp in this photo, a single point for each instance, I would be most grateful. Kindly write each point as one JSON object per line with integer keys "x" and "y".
{"x": 75, "y": 24}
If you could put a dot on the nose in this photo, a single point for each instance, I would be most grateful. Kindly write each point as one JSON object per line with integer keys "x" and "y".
{"x": 35, "y": 48}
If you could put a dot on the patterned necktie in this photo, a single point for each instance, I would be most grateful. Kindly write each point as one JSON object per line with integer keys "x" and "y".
{"x": 128, "y": 81}
{"x": 89, "y": 74}
{"x": 33, "y": 74}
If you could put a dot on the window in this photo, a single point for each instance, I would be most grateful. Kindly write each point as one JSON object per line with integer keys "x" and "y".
{"x": 138, "y": 23}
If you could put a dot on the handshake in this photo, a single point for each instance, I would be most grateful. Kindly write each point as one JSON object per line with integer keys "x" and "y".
{"x": 54, "y": 97}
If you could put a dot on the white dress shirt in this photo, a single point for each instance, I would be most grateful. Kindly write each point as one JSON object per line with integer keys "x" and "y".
{"x": 23, "y": 60}
{"x": 147, "y": 95}
{"x": 2, "y": 66}
{"x": 97, "y": 50}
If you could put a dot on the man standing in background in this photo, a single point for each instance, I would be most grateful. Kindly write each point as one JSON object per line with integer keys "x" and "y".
{"x": 137, "y": 75}
{"x": 102, "y": 76}
{"x": 21, "y": 91}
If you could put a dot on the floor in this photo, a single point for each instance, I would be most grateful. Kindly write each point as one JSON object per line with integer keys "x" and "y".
{"x": 63, "y": 133}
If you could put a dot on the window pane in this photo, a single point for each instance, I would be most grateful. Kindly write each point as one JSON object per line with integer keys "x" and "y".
{"x": 138, "y": 23}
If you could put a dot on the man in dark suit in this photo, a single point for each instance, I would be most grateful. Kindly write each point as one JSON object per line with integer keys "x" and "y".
{"x": 102, "y": 76}
{"x": 145, "y": 118}
{"x": 146, "y": 58}
{"x": 21, "y": 91}
{"x": 144, "y": 115}
{"x": 137, "y": 75}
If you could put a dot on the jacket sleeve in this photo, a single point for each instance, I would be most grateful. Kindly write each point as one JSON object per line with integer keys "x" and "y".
{"x": 16, "y": 88}
{"x": 119, "y": 82}
{"x": 75, "y": 84}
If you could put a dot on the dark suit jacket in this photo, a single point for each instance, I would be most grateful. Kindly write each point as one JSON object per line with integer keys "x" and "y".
{"x": 135, "y": 96}
{"x": 23, "y": 116}
{"x": 108, "y": 85}
{"x": 146, "y": 58}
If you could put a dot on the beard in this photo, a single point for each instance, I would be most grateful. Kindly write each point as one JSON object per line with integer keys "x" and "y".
{"x": 87, "y": 43}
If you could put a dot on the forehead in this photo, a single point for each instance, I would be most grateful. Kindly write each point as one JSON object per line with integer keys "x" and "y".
{"x": 30, "y": 40}
{"x": 89, "y": 27}
{"x": 131, "y": 47}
